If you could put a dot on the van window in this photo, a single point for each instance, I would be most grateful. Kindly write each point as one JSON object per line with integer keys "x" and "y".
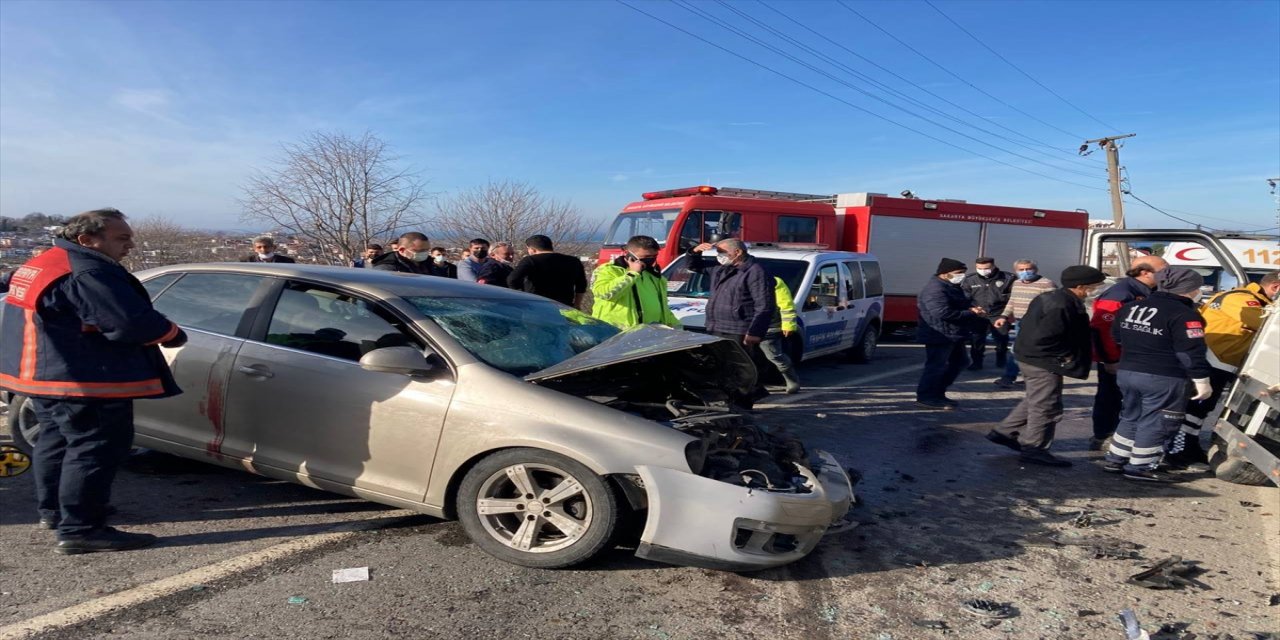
{"x": 708, "y": 226}
{"x": 853, "y": 280}
{"x": 825, "y": 291}
{"x": 686, "y": 282}
{"x": 871, "y": 275}
{"x": 797, "y": 229}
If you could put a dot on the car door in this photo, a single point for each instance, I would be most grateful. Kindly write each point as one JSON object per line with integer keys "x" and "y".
{"x": 299, "y": 396}
{"x": 212, "y": 308}
{"x": 824, "y": 310}
{"x": 858, "y": 303}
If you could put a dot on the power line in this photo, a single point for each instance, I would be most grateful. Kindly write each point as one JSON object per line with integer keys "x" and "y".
{"x": 720, "y": 23}
{"x": 842, "y": 100}
{"x": 1019, "y": 69}
{"x": 952, "y": 73}
{"x": 918, "y": 86}
{"x": 886, "y": 88}
{"x": 1155, "y": 208}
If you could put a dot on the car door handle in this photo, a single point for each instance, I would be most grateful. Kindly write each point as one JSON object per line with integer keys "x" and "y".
{"x": 258, "y": 370}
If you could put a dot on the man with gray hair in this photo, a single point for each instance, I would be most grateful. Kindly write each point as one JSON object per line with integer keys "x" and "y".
{"x": 80, "y": 339}
{"x": 1025, "y": 289}
{"x": 264, "y": 250}
{"x": 742, "y": 302}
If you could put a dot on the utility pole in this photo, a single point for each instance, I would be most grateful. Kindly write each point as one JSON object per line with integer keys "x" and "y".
{"x": 1274, "y": 183}
{"x": 1113, "y": 175}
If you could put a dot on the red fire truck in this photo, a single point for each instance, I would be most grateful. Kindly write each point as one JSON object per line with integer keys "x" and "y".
{"x": 907, "y": 235}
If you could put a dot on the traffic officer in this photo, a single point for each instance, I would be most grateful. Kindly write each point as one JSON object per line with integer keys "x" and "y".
{"x": 629, "y": 290}
{"x": 774, "y": 346}
{"x": 1231, "y": 322}
{"x": 1162, "y": 346}
{"x": 1140, "y": 281}
{"x": 78, "y": 337}
{"x": 988, "y": 287}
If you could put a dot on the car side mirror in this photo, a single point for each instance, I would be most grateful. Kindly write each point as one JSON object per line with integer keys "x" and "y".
{"x": 403, "y": 360}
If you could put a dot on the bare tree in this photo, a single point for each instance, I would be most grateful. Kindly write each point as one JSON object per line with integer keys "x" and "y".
{"x": 159, "y": 241}
{"x": 336, "y": 192}
{"x": 511, "y": 211}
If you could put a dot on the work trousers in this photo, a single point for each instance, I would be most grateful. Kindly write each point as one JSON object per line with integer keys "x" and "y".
{"x": 1106, "y": 405}
{"x": 1034, "y": 420}
{"x": 757, "y": 358}
{"x": 81, "y": 445}
{"x": 1152, "y": 413}
{"x": 942, "y": 365}
{"x": 1198, "y": 410}
{"x": 979, "y": 343}
{"x": 774, "y": 349}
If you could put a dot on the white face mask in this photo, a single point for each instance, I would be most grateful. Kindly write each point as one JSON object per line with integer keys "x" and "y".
{"x": 439, "y": 259}
{"x": 1198, "y": 295}
{"x": 722, "y": 258}
{"x": 267, "y": 256}
{"x": 957, "y": 278}
{"x": 421, "y": 256}
{"x": 986, "y": 272}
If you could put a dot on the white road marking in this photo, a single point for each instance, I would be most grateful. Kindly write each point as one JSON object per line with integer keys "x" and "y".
{"x": 841, "y": 385}
{"x": 141, "y": 594}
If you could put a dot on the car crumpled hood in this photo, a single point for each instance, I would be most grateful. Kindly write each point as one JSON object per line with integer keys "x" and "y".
{"x": 691, "y": 352}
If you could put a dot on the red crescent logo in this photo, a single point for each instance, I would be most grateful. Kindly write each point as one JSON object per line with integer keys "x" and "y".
{"x": 1182, "y": 255}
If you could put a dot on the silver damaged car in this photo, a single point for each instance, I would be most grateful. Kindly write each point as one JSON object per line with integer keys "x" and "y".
{"x": 540, "y": 428}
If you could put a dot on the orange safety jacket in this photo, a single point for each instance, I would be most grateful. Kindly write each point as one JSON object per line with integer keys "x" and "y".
{"x": 76, "y": 324}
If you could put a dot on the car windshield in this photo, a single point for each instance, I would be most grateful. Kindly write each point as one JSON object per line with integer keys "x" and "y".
{"x": 681, "y": 281}
{"x": 517, "y": 336}
{"x": 655, "y": 224}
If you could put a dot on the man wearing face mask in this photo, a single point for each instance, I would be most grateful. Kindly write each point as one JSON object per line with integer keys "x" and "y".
{"x": 474, "y": 259}
{"x": 440, "y": 265}
{"x": 412, "y": 254}
{"x": 264, "y": 250}
{"x": 497, "y": 269}
{"x": 1163, "y": 348}
{"x": 629, "y": 290}
{"x": 1139, "y": 284}
{"x": 1054, "y": 342}
{"x": 988, "y": 288}
{"x": 1028, "y": 285}
{"x": 742, "y": 303}
{"x": 947, "y": 318}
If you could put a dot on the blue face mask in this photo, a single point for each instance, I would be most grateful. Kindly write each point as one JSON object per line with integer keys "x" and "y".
{"x": 1026, "y": 276}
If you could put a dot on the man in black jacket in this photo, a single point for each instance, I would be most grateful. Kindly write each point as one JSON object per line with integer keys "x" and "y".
{"x": 1162, "y": 346}
{"x": 742, "y": 302}
{"x": 947, "y": 317}
{"x": 988, "y": 288}
{"x": 549, "y": 274}
{"x": 1054, "y": 341}
{"x": 411, "y": 254}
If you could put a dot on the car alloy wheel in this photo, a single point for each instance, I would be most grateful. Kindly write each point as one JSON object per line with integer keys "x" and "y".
{"x": 536, "y": 508}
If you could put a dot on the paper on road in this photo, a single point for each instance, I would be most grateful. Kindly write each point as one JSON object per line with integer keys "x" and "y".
{"x": 357, "y": 574}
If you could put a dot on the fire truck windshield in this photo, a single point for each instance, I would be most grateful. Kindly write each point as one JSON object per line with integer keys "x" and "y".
{"x": 655, "y": 224}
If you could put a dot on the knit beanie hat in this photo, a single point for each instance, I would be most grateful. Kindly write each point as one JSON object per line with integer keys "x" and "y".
{"x": 1079, "y": 275}
{"x": 1178, "y": 280}
{"x": 948, "y": 265}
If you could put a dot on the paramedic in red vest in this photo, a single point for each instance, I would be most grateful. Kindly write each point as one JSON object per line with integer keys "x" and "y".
{"x": 79, "y": 337}
{"x": 1139, "y": 284}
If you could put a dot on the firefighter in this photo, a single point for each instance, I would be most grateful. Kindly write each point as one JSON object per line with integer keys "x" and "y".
{"x": 78, "y": 338}
{"x": 1140, "y": 281}
{"x": 1232, "y": 319}
{"x": 774, "y": 346}
{"x": 1162, "y": 346}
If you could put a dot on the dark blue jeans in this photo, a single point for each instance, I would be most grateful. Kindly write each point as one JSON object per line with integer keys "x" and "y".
{"x": 81, "y": 445}
{"x": 1152, "y": 413}
{"x": 942, "y": 365}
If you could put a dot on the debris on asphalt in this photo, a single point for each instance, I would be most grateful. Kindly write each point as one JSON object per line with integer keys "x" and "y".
{"x": 1084, "y": 613}
{"x": 986, "y": 587}
{"x": 356, "y": 574}
{"x": 1109, "y": 552}
{"x": 828, "y": 614}
{"x": 1084, "y": 520}
{"x": 1249, "y": 505}
{"x": 1132, "y": 629}
{"x": 1169, "y": 573}
{"x": 987, "y": 608}
{"x": 297, "y": 600}
{"x": 939, "y": 625}
{"x": 1135, "y": 512}
{"x": 198, "y": 587}
{"x": 1274, "y": 601}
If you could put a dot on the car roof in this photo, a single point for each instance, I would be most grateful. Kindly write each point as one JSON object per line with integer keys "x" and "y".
{"x": 808, "y": 255}
{"x": 387, "y": 283}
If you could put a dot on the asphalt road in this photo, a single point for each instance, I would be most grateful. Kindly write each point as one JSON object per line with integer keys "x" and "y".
{"x": 946, "y": 517}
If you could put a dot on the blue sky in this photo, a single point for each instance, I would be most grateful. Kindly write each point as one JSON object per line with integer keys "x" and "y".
{"x": 165, "y": 108}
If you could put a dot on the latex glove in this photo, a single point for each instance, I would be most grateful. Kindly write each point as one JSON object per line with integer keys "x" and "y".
{"x": 1203, "y": 389}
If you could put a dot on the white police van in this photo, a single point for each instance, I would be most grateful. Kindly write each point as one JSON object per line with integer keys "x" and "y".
{"x": 839, "y": 296}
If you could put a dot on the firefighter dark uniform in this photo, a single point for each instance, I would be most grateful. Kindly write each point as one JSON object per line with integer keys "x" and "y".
{"x": 78, "y": 337}
{"x": 1231, "y": 320}
{"x": 1162, "y": 342}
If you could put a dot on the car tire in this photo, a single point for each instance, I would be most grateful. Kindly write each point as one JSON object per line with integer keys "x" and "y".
{"x": 864, "y": 350}
{"x": 23, "y": 426}
{"x": 526, "y": 496}
{"x": 1233, "y": 469}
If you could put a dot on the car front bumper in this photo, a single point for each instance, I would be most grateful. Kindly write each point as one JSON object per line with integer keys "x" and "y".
{"x": 702, "y": 522}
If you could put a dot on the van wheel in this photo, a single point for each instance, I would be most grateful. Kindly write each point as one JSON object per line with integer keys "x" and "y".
{"x": 1233, "y": 469}
{"x": 537, "y": 508}
{"x": 865, "y": 349}
{"x": 23, "y": 425}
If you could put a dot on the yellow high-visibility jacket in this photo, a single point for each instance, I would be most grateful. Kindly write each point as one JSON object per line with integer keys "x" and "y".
{"x": 786, "y": 306}
{"x": 1232, "y": 319}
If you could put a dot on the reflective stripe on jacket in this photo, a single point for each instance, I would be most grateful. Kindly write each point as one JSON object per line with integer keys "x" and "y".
{"x": 625, "y": 299}
{"x": 1232, "y": 319}
{"x": 76, "y": 324}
